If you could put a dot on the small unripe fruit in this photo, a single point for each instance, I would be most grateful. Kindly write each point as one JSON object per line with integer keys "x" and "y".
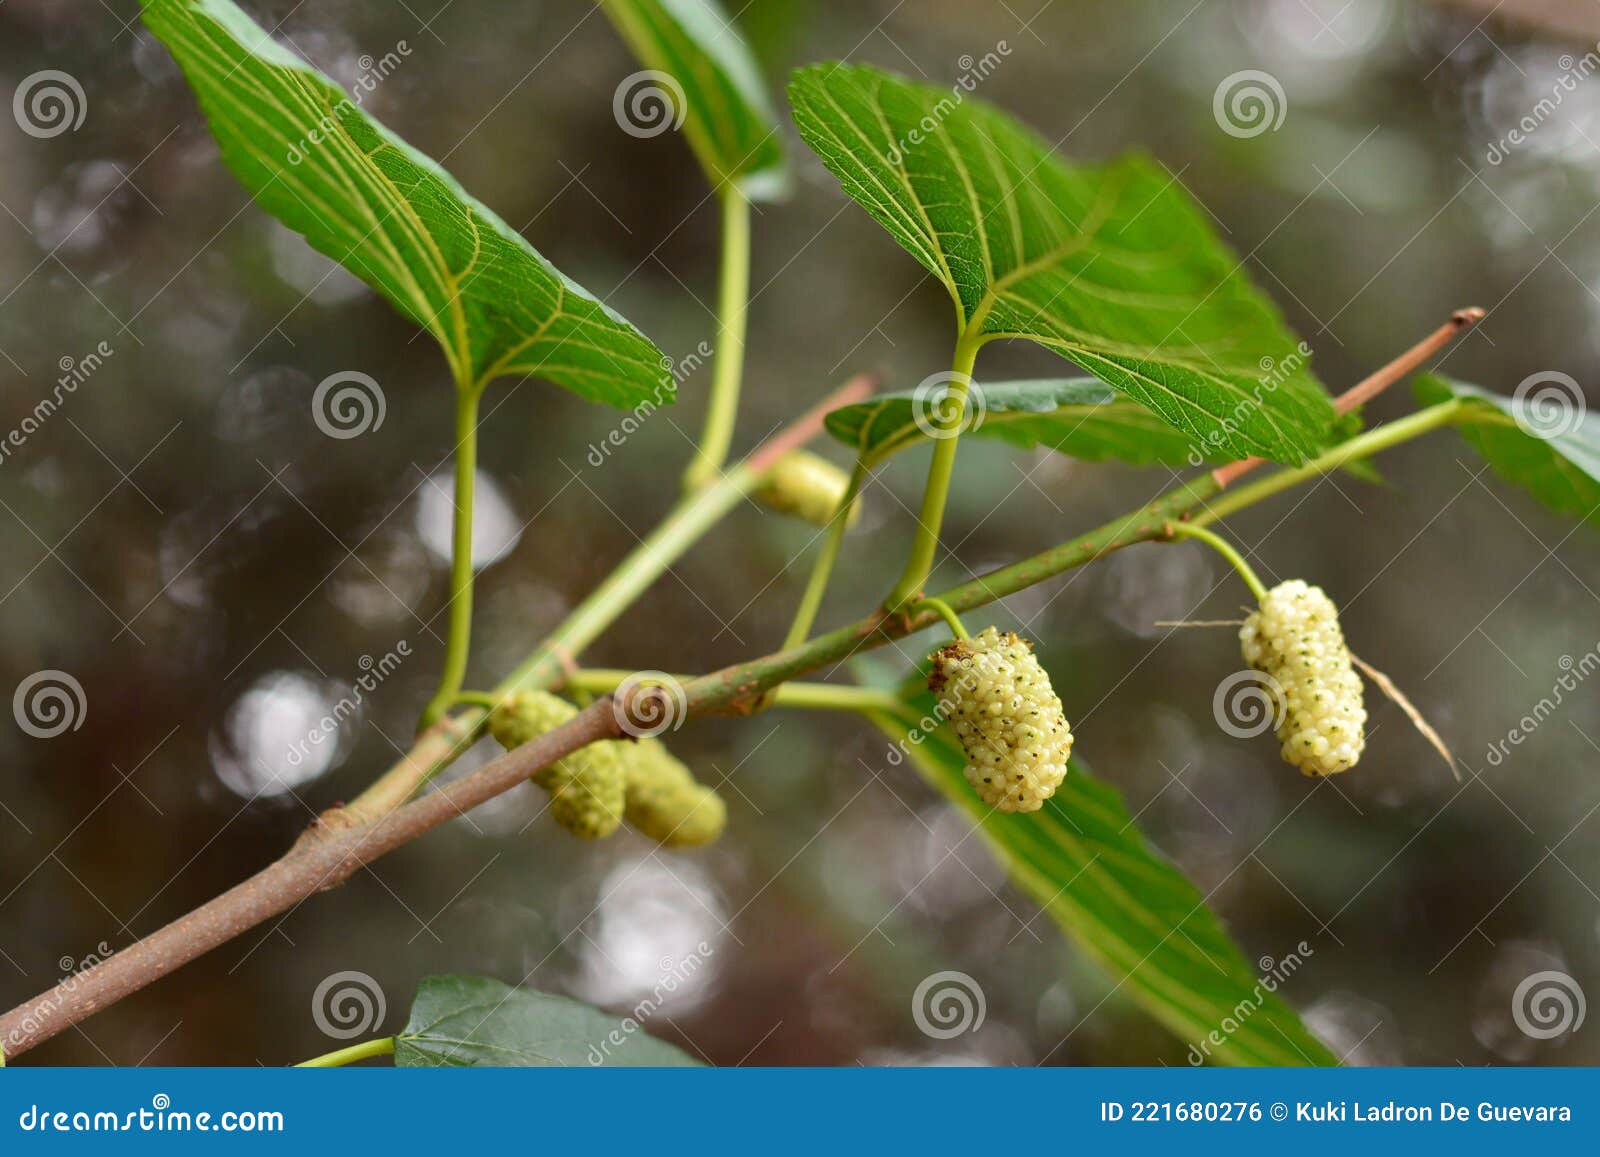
{"x": 1295, "y": 640}
{"x": 807, "y": 486}
{"x": 523, "y": 717}
{"x": 666, "y": 803}
{"x": 586, "y": 786}
{"x": 1007, "y": 717}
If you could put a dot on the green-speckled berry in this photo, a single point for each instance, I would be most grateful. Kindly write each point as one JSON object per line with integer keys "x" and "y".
{"x": 666, "y": 803}
{"x": 586, "y": 786}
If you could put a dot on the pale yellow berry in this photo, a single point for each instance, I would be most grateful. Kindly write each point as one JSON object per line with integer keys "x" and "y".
{"x": 1295, "y": 640}
{"x": 586, "y": 786}
{"x": 807, "y": 486}
{"x": 1000, "y": 704}
{"x": 523, "y": 717}
{"x": 666, "y": 803}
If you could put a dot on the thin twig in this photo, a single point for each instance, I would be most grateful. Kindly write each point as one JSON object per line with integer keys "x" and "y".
{"x": 1375, "y": 383}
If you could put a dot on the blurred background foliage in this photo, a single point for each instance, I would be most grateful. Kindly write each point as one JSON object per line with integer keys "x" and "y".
{"x": 217, "y": 573}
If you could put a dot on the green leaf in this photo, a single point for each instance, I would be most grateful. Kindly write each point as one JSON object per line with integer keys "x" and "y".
{"x": 365, "y": 198}
{"x": 1111, "y": 265}
{"x": 1082, "y": 417}
{"x": 1082, "y": 858}
{"x": 466, "y": 1021}
{"x": 716, "y": 87}
{"x": 1545, "y": 441}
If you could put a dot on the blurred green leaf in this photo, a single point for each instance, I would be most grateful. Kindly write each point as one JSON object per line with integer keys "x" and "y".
{"x": 365, "y": 198}
{"x": 1083, "y": 859}
{"x": 1346, "y": 426}
{"x": 1364, "y": 470}
{"x": 464, "y": 1021}
{"x": 715, "y": 86}
{"x": 1550, "y": 445}
{"x": 1082, "y": 417}
{"x": 1111, "y": 265}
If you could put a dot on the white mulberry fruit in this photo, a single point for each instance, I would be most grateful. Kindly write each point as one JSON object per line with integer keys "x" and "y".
{"x": 1295, "y": 640}
{"x": 586, "y": 786}
{"x": 666, "y": 802}
{"x": 807, "y": 486}
{"x": 1003, "y": 710}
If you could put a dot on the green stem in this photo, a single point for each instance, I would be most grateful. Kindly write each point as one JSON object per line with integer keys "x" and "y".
{"x": 437, "y": 748}
{"x": 925, "y": 546}
{"x": 801, "y": 696}
{"x": 1225, "y": 548}
{"x": 382, "y": 1047}
{"x": 1153, "y": 521}
{"x": 952, "y": 620}
{"x": 1377, "y": 439}
{"x": 693, "y": 515}
{"x": 459, "y": 640}
{"x": 1148, "y": 523}
{"x": 822, "y": 570}
{"x": 733, "y": 307}
{"x": 440, "y": 745}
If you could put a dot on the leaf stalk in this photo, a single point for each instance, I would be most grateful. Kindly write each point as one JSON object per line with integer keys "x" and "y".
{"x": 459, "y": 639}
{"x": 382, "y": 1047}
{"x": 733, "y": 308}
{"x": 925, "y": 546}
{"x": 805, "y": 615}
